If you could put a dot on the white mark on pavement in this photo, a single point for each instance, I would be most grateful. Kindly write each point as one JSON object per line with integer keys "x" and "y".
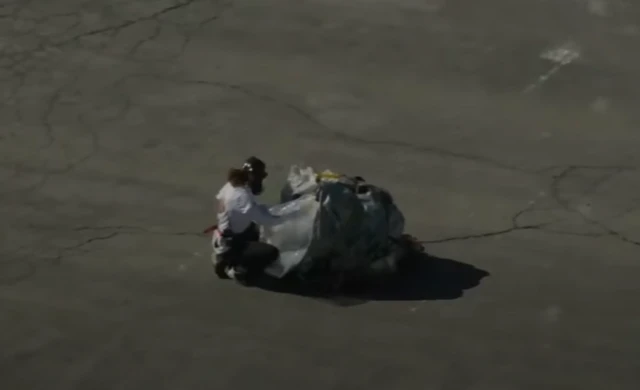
{"x": 413, "y": 309}
{"x": 600, "y": 105}
{"x": 584, "y": 209}
{"x": 562, "y": 56}
{"x": 182, "y": 267}
{"x": 597, "y": 7}
{"x": 630, "y": 30}
{"x": 551, "y": 314}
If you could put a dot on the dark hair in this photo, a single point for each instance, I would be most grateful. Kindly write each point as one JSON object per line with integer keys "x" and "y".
{"x": 237, "y": 177}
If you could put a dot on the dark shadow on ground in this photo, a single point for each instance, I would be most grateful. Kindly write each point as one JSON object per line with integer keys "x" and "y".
{"x": 428, "y": 278}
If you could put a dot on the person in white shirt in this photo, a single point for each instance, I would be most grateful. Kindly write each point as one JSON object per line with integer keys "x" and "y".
{"x": 239, "y": 254}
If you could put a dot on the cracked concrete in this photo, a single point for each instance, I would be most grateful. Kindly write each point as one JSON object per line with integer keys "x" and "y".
{"x": 121, "y": 117}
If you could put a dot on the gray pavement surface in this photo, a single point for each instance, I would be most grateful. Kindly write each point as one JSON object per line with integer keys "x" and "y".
{"x": 508, "y": 130}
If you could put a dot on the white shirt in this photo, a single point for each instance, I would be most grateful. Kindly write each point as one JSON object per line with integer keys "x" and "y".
{"x": 237, "y": 209}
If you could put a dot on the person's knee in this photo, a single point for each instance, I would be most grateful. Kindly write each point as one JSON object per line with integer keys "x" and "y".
{"x": 267, "y": 254}
{"x": 272, "y": 253}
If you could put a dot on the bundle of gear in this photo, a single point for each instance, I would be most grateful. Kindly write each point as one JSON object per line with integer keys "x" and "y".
{"x": 337, "y": 228}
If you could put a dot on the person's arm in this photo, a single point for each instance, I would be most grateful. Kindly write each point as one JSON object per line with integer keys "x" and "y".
{"x": 263, "y": 207}
{"x": 258, "y": 213}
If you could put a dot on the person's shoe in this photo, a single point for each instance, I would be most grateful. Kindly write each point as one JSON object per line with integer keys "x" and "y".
{"x": 219, "y": 267}
{"x": 240, "y": 275}
{"x": 230, "y": 273}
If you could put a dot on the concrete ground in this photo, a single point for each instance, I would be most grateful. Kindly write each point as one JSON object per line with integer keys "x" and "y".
{"x": 508, "y": 131}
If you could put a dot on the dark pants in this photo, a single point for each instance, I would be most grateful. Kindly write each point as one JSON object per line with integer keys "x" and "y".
{"x": 254, "y": 257}
{"x": 248, "y": 256}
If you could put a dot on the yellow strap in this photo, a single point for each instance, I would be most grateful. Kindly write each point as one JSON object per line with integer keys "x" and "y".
{"x": 327, "y": 174}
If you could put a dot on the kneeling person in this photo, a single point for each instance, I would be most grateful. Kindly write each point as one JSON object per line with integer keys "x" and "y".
{"x": 236, "y": 241}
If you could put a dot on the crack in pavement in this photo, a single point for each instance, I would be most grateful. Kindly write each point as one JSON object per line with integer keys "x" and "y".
{"x": 127, "y": 23}
{"x": 564, "y": 203}
{"x": 111, "y": 231}
{"x": 17, "y": 54}
{"x": 30, "y": 268}
{"x": 115, "y": 28}
{"x": 555, "y": 194}
{"x": 344, "y": 137}
{"x": 49, "y": 132}
{"x": 568, "y": 170}
{"x": 62, "y": 252}
{"x": 126, "y": 229}
{"x": 44, "y": 43}
{"x": 326, "y": 131}
{"x": 116, "y": 229}
{"x": 9, "y": 277}
{"x": 119, "y": 229}
{"x": 544, "y": 226}
{"x": 514, "y": 227}
{"x": 608, "y": 231}
{"x": 235, "y": 87}
{"x": 483, "y": 235}
{"x": 187, "y": 33}
{"x": 341, "y": 136}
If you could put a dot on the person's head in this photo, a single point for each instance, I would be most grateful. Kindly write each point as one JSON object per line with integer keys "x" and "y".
{"x": 238, "y": 177}
{"x": 256, "y": 171}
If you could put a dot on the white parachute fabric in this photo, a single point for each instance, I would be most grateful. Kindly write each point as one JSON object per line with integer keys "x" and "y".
{"x": 334, "y": 224}
{"x": 294, "y": 235}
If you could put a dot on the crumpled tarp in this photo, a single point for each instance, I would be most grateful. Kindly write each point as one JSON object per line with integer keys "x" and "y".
{"x": 334, "y": 224}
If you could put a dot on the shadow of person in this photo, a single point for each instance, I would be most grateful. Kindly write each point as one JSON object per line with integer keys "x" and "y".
{"x": 426, "y": 277}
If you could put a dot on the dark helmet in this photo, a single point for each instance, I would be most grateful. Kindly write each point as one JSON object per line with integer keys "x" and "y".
{"x": 257, "y": 170}
{"x": 256, "y": 166}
